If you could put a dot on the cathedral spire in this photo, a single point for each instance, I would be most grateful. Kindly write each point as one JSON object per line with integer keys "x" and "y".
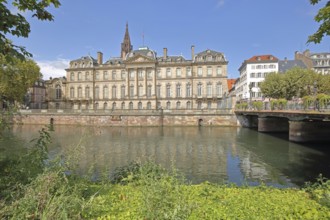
{"x": 126, "y": 46}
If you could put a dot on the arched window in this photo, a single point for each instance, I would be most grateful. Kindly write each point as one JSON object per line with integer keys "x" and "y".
{"x": 105, "y": 105}
{"x": 148, "y": 105}
{"x": 79, "y": 92}
{"x": 178, "y": 105}
{"x": 131, "y": 105}
{"x": 97, "y": 92}
{"x": 72, "y": 76}
{"x": 114, "y": 105}
{"x": 199, "y": 105}
{"x": 168, "y": 105}
{"x": 188, "y": 105}
{"x": 58, "y": 92}
{"x": 140, "y": 105}
{"x": 123, "y": 105}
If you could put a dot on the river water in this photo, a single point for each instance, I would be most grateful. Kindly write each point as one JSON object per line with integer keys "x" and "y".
{"x": 214, "y": 154}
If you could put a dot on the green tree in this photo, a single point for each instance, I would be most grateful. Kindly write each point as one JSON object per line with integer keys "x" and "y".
{"x": 15, "y": 24}
{"x": 323, "y": 17}
{"x": 16, "y": 77}
{"x": 272, "y": 86}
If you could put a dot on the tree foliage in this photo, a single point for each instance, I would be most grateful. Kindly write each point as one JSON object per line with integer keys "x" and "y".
{"x": 323, "y": 17}
{"x": 296, "y": 82}
{"x": 15, "y": 24}
{"x": 16, "y": 77}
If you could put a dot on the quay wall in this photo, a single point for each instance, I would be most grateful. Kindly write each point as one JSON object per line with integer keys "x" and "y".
{"x": 136, "y": 119}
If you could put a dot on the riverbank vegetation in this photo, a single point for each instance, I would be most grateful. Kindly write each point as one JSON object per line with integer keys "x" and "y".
{"x": 32, "y": 186}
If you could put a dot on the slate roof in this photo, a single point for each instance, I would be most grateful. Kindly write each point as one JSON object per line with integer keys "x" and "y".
{"x": 285, "y": 65}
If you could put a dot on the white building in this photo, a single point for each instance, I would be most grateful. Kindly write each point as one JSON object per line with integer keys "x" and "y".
{"x": 252, "y": 72}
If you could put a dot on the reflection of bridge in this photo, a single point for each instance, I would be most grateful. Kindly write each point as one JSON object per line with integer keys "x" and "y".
{"x": 302, "y": 126}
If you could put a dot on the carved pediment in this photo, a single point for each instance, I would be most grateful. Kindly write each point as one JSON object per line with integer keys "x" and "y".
{"x": 139, "y": 59}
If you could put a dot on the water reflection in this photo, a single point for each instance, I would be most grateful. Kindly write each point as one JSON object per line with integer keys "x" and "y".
{"x": 216, "y": 154}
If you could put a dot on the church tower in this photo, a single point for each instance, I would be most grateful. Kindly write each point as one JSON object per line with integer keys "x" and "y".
{"x": 126, "y": 46}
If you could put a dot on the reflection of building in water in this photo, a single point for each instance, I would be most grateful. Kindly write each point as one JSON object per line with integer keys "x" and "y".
{"x": 253, "y": 170}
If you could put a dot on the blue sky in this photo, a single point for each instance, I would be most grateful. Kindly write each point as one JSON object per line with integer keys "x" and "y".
{"x": 238, "y": 28}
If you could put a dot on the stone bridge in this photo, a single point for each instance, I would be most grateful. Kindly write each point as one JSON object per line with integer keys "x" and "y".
{"x": 302, "y": 126}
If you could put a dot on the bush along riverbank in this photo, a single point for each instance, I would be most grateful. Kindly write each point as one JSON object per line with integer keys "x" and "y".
{"x": 33, "y": 187}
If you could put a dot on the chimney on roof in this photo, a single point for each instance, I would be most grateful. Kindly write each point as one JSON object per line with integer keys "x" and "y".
{"x": 192, "y": 52}
{"x": 165, "y": 53}
{"x": 99, "y": 58}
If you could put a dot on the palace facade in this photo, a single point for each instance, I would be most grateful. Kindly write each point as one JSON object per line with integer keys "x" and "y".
{"x": 139, "y": 79}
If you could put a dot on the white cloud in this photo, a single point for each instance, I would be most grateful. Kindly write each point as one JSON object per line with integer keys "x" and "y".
{"x": 53, "y": 68}
{"x": 220, "y": 3}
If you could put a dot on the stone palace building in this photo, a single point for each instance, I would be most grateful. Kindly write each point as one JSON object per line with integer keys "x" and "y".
{"x": 139, "y": 79}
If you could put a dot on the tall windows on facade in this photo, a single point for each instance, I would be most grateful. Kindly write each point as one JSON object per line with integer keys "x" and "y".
{"x": 105, "y": 75}
{"x": 114, "y": 92}
{"x": 209, "y": 104}
{"x": 97, "y": 76}
{"x": 72, "y": 76}
{"x": 58, "y": 92}
{"x": 123, "y": 74}
{"x": 168, "y": 72}
{"x": 209, "y": 90}
{"x": 188, "y": 105}
{"x": 168, "y": 91}
{"x": 178, "y": 91}
{"x": 209, "y": 71}
{"x": 188, "y": 71}
{"x": 114, "y": 75}
{"x": 123, "y": 105}
{"x": 148, "y": 105}
{"x": 140, "y": 105}
{"x": 131, "y": 91}
{"x": 97, "y": 92}
{"x": 158, "y": 94}
{"x": 188, "y": 90}
{"x": 178, "y": 72}
{"x": 168, "y": 105}
{"x": 105, "y": 105}
{"x": 159, "y": 74}
{"x": 219, "y": 71}
{"x": 130, "y": 105}
{"x": 114, "y": 105}
{"x": 131, "y": 74}
{"x": 219, "y": 90}
{"x": 87, "y": 92}
{"x": 72, "y": 92}
{"x": 105, "y": 92}
{"x": 149, "y": 74}
{"x": 199, "y": 105}
{"x": 122, "y": 92}
{"x": 87, "y": 76}
{"x": 199, "y": 71}
{"x": 199, "y": 89}
{"x": 140, "y": 91}
{"x": 140, "y": 73}
{"x": 79, "y": 92}
{"x": 79, "y": 76}
{"x": 149, "y": 89}
{"x": 159, "y": 106}
{"x": 178, "y": 105}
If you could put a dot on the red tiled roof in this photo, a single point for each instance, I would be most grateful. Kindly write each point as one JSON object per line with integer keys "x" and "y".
{"x": 230, "y": 83}
{"x": 258, "y": 58}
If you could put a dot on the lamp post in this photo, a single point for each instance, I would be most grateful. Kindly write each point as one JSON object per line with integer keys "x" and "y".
{"x": 250, "y": 98}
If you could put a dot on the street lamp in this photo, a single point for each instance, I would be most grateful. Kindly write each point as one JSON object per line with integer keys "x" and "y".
{"x": 250, "y": 91}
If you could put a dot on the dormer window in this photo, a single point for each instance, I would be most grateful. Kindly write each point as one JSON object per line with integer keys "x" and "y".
{"x": 258, "y": 58}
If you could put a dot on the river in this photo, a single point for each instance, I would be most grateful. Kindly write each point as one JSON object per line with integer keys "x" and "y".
{"x": 215, "y": 154}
